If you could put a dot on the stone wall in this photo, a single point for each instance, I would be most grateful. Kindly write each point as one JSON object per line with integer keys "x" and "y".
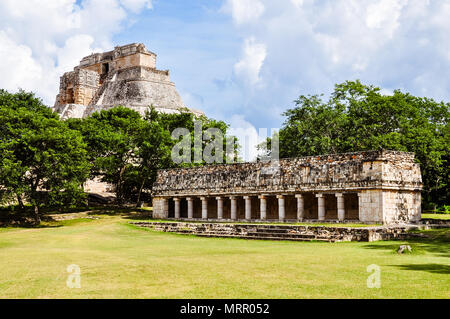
{"x": 138, "y": 86}
{"x": 401, "y": 207}
{"x": 97, "y": 186}
{"x": 351, "y": 171}
{"x": 372, "y": 187}
{"x": 77, "y": 87}
{"x": 121, "y": 57}
{"x": 371, "y": 205}
{"x": 283, "y": 232}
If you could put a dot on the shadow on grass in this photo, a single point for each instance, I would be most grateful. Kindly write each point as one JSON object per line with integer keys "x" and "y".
{"x": 433, "y": 268}
{"x": 127, "y": 213}
{"x": 141, "y": 215}
{"x": 14, "y": 218}
{"x": 27, "y": 224}
{"x": 436, "y": 242}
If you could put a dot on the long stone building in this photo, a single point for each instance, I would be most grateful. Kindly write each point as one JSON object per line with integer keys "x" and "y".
{"x": 125, "y": 76}
{"x": 370, "y": 187}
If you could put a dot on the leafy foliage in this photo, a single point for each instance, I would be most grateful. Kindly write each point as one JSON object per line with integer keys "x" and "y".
{"x": 126, "y": 150}
{"x": 38, "y": 152}
{"x": 358, "y": 117}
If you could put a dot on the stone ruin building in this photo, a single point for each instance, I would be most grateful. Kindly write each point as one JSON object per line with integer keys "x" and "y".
{"x": 125, "y": 76}
{"x": 369, "y": 187}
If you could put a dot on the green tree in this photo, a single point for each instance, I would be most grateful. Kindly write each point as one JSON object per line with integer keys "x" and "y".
{"x": 358, "y": 117}
{"x": 153, "y": 152}
{"x": 188, "y": 120}
{"x": 39, "y": 153}
{"x": 111, "y": 139}
{"x": 126, "y": 150}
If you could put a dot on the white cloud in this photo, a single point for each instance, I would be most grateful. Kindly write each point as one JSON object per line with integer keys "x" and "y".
{"x": 40, "y": 40}
{"x": 297, "y": 3}
{"x": 192, "y": 100}
{"x": 316, "y": 44}
{"x": 311, "y": 45}
{"x": 248, "y": 68}
{"x": 244, "y": 11}
{"x": 384, "y": 15}
{"x": 136, "y": 5}
{"x": 17, "y": 67}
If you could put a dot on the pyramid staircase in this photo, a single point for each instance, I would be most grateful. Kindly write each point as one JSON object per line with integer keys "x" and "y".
{"x": 102, "y": 88}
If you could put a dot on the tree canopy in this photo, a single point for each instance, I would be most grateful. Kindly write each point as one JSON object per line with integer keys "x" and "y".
{"x": 39, "y": 153}
{"x": 46, "y": 161}
{"x": 358, "y": 117}
{"x": 126, "y": 150}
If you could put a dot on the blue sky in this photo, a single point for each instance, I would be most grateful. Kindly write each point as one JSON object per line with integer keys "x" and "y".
{"x": 242, "y": 61}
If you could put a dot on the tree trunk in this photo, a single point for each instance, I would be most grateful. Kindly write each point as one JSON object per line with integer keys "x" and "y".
{"x": 119, "y": 193}
{"x": 138, "y": 203}
{"x": 36, "y": 214}
{"x": 20, "y": 202}
{"x": 34, "y": 200}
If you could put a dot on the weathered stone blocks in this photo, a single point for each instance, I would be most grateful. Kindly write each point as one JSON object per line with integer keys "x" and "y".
{"x": 283, "y": 232}
{"x": 126, "y": 76}
{"x": 387, "y": 185}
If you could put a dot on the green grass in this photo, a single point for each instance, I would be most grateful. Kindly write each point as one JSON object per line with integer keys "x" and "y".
{"x": 119, "y": 260}
{"x": 437, "y": 216}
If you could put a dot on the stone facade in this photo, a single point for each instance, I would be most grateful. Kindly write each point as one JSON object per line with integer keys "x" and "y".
{"x": 78, "y": 87}
{"x": 373, "y": 187}
{"x": 125, "y": 76}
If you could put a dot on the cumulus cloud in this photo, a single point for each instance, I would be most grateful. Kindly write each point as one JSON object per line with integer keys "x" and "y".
{"x": 40, "y": 40}
{"x": 253, "y": 56}
{"x": 316, "y": 44}
{"x": 27, "y": 71}
{"x": 297, "y": 3}
{"x": 384, "y": 15}
{"x": 244, "y": 11}
{"x": 136, "y": 5}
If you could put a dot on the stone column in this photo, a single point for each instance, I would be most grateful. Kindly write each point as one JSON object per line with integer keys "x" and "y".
{"x": 263, "y": 207}
{"x": 233, "y": 207}
{"x": 281, "y": 208}
{"x": 321, "y": 206}
{"x": 204, "y": 207}
{"x": 219, "y": 207}
{"x": 190, "y": 202}
{"x": 177, "y": 207}
{"x": 340, "y": 206}
{"x": 360, "y": 204}
{"x": 300, "y": 207}
{"x": 248, "y": 207}
{"x": 166, "y": 207}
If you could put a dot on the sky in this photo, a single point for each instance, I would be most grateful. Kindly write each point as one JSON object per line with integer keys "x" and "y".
{"x": 240, "y": 61}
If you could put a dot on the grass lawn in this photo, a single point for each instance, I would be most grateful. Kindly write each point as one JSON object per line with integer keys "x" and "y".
{"x": 119, "y": 260}
{"x": 436, "y": 216}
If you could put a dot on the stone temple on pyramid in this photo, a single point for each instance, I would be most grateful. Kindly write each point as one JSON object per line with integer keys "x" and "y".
{"x": 126, "y": 76}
